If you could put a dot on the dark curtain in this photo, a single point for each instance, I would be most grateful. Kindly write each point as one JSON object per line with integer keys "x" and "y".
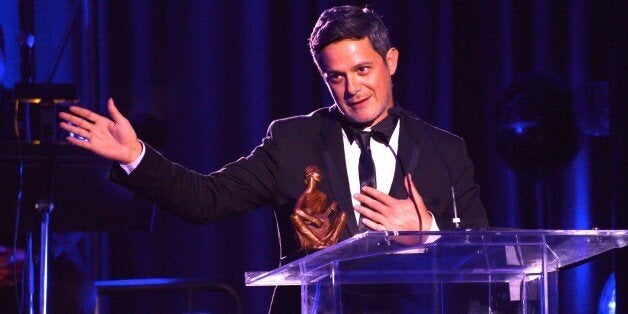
{"x": 203, "y": 79}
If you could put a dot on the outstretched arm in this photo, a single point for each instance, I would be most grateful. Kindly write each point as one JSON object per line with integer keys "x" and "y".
{"x": 112, "y": 138}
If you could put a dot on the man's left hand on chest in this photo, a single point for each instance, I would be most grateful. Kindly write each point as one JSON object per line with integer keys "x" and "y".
{"x": 380, "y": 211}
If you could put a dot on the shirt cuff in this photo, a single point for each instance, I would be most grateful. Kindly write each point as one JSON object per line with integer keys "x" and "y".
{"x": 128, "y": 168}
{"x": 430, "y": 239}
{"x": 434, "y": 226}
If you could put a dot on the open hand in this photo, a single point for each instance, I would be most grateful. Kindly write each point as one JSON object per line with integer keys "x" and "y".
{"x": 112, "y": 138}
{"x": 380, "y": 211}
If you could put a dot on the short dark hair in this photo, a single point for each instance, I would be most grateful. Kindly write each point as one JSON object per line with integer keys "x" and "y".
{"x": 348, "y": 22}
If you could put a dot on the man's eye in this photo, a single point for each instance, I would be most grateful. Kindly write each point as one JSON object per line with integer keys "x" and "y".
{"x": 363, "y": 70}
{"x": 334, "y": 77}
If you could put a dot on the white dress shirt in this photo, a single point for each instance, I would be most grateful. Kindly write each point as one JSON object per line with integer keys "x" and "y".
{"x": 384, "y": 157}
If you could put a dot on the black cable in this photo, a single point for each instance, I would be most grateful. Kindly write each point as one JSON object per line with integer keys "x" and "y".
{"x": 397, "y": 111}
{"x": 404, "y": 174}
{"x": 272, "y": 297}
{"x": 18, "y": 294}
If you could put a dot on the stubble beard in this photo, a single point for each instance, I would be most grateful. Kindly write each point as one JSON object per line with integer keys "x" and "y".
{"x": 380, "y": 110}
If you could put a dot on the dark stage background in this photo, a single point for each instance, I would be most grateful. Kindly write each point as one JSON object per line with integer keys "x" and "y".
{"x": 203, "y": 79}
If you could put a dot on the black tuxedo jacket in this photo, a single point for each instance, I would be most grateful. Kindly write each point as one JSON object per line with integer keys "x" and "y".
{"x": 274, "y": 174}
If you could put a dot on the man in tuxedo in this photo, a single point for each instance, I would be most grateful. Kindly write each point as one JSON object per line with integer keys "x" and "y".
{"x": 417, "y": 167}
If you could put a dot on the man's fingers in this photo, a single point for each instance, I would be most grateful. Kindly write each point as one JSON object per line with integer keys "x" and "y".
{"x": 368, "y": 200}
{"x": 75, "y": 121}
{"x": 369, "y": 213}
{"x": 114, "y": 112}
{"x": 86, "y": 114}
{"x": 372, "y": 225}
{"x": 78, "y": 142}
{"x": 417, "y": 200}
{"x": 76, "y": 130}
{"x": 379, "y": 196}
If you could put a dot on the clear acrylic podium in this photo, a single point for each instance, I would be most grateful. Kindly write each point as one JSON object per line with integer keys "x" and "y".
{"x": 450, "y": 271}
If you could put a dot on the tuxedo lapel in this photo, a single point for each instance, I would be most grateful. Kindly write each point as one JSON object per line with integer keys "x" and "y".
{"x": 407, "y": 156}
{"x": 332, "y": 154}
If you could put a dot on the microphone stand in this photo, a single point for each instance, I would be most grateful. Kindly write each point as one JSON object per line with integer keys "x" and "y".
{"x": 44, "y": 207}
{"x": 36, "y": 103}
{"x": 45, "y": 210}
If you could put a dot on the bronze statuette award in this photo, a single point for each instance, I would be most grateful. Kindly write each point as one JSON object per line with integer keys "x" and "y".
{"x": 316, "y": 225}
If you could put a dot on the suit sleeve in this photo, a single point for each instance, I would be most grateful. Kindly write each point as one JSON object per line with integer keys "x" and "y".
{"x": 238, "y": 187}
{"x": 470, "y": 208}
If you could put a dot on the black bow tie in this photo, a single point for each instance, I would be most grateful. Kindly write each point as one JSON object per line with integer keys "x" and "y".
{"x": 380, "y": 132}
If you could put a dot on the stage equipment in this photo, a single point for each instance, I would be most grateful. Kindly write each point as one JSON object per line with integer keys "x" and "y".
{"x": 535, "y": 126}
{"x": 44, "y": 173}
{"x": 36, "y": 108}
{"x": 35, "y": 116}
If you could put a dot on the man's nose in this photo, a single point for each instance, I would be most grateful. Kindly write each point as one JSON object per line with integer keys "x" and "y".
{"x": 353, "y": 85}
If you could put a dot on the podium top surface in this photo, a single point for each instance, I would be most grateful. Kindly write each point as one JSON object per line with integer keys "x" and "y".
{"x": 452, "y": 256}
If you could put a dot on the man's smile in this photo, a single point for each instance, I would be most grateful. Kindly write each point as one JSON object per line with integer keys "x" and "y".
{"x": 357, "y": 101}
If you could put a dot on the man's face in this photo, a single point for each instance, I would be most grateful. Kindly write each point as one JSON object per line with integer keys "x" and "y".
{"x": 359, "y": 79}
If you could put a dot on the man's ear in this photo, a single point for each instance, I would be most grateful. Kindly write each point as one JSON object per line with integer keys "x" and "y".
{"x": 391, "y": 60}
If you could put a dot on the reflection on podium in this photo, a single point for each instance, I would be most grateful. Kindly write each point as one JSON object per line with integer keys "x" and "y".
{"x": 503, "y": 271}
